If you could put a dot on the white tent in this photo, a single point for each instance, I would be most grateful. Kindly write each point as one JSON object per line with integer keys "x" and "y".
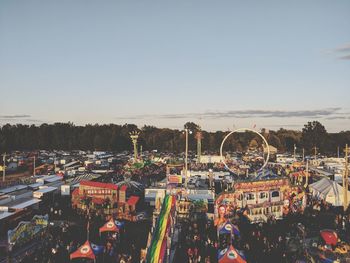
{"x": 328, "y": 190}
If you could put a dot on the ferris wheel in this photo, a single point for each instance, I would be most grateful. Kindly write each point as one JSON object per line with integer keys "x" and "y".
{"x": 240, "y": 130}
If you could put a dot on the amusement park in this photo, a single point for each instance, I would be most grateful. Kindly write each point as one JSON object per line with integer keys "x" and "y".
{"x": 242, "y": 205}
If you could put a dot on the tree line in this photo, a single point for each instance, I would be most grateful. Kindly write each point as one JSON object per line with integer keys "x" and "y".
{"x": 112, "y": 137}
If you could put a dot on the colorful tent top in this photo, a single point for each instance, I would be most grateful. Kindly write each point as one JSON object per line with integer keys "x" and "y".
{"x": 228, "y": 228}
{"x": 156, "y": 250}
{"x": 330, "y": 237}
{"x": 230, "y": 255}
{"x": 133, "y": 200}
{"x": 85, "y": 251}
{"x": 110, "y": 226}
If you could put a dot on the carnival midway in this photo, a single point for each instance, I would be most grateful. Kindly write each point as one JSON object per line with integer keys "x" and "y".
{"x": 236, "y": 206}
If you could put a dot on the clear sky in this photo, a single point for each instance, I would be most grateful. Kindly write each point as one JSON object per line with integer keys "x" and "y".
{"x": 222, "y": 64}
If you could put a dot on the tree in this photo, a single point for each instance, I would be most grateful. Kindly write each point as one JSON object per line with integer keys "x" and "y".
{"x": 314, "y": 134}
{"x": 191, "y": 126}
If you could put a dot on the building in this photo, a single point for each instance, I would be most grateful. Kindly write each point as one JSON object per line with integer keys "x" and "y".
{"x": 261, "y": 198}
{"x": 105, "y": 198}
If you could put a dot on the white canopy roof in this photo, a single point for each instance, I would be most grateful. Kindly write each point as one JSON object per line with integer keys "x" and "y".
{"x": 329, "y": 190}
{"x": 27, "y": 203}
{"x": 5, "y": 214}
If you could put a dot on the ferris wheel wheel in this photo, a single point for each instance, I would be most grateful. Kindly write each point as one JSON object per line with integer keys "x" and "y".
{"x": 266, "y": 146}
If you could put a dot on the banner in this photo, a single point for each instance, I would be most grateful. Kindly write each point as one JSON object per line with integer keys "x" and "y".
{"x": 27, "y": 230}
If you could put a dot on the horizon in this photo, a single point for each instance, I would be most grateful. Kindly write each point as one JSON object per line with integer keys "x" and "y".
{"x": 140, "y": 127}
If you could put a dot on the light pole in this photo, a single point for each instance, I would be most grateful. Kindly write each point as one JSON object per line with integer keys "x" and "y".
{"x": 303, "y": 155}
{"x": 186, "y": 155}
{"x": 295, "y": 148}
{"x": 315, "y": 149}
{"x": 34, "y": 165}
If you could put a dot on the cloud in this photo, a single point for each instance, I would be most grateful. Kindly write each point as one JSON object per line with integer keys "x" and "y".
{"x": 338, "y": 118}
{"x": 18, "y": 116}
{"x": 347, "y": 57}
{"x": 343, "y": 52}
{"x": 344, "y": 48}
{"x": 242, "y": 114}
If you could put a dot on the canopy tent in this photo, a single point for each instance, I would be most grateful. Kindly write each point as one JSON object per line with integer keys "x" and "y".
{"x": 330, "y": 237}
{"x": 328, "y": 190}
{"x": 85, "y": 251}
{"x": 110, "y": 226}
{"x": 230, "y": 255}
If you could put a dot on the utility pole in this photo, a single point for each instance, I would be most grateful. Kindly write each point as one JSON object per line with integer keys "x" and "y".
{"x": 4, "y": 167}
{"x": 345, "y": 178}
{"x": 315, "y": 149}
{"x": 307, "y": 174}
{"x": 186, "y": 157}
{"x": 34, "y": 166}
{"x": 295, "y": 148}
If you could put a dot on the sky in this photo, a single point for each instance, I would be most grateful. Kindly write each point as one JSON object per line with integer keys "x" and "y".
{"x": 221, "y": 64}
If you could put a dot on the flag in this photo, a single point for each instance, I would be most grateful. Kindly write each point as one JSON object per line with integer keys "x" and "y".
{"x": 119, "y": 224}
{"x": 97, "y": 249}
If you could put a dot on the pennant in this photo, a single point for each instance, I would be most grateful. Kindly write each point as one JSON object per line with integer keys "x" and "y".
{"x": 97, "y": 249}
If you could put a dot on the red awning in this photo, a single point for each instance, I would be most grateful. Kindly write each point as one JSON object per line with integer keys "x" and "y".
{"x": 133, "y": 200}
{"x": 110, "y": 226}
{"x": 124, "y": 187}
{"x": 85, "y": 251}
{"x": 98, "y": 201}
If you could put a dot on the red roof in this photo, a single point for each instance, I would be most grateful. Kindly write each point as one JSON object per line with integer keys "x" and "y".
{"x": 99, "y": 185}
{"x": 124, "y": 187}
{"x": 133, "y": 200}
